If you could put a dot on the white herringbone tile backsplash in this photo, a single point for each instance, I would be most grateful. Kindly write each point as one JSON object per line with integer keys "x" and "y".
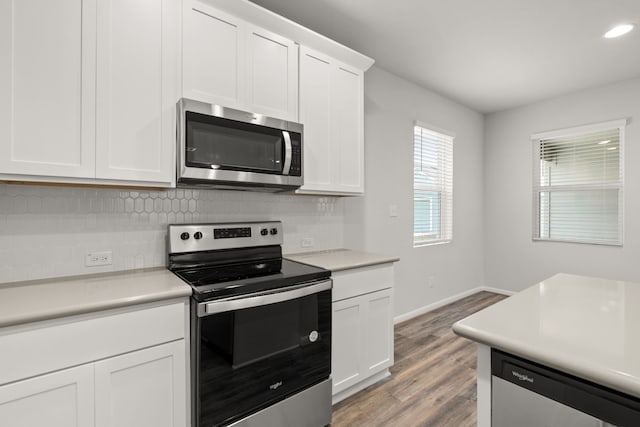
{"x": 47, "y": 231}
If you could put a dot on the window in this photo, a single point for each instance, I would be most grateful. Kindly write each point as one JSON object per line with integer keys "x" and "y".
{"x": 432, "y": 186}
{"x": 577, "y": 184}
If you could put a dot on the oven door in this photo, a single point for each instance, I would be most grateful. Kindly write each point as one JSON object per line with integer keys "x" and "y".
{"x": 224, "y": 145}
{"x": 253, "y": 351}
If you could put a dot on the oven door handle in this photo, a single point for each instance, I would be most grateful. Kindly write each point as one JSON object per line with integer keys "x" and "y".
{"x": 263, "y": 298}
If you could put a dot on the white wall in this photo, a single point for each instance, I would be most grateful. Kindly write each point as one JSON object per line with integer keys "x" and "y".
{"x": 47, "y": 231}
{"x": 428, "y": 274}
{"x": 512, "y": 260}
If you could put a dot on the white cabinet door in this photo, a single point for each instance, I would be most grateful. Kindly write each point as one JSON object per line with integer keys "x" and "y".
{"x": 346, "y": 344}
{"x": 362, "y": 344}
{"x": 230, "y": 62}
{"x": 347, "y": 129}
{"x": 146, "y": 388}
{"x": 272, "y": 74}
{"x": 47, "y": 97}
{"x": 136, "y": 89}
{"x": 60, "y": 399}
{"x": 331, "y": 110}
{"x": 378, "y": 331}
{"x": 315, "y": 115}
{"x": 213, "y": 58}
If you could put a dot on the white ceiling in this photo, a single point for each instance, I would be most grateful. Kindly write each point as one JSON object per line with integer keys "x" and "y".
{"x": 490, "y": 55}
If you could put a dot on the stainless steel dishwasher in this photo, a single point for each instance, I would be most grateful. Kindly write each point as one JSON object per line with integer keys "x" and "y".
{"x": 526, "y": 394}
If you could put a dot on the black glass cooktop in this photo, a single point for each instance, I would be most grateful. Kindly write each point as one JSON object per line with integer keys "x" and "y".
{"x": 214, "y": 282}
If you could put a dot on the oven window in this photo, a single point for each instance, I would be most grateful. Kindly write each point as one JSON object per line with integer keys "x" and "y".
{"x": 213, "y": 142}
{"x": 249, "y": 359}
{"x": 247, "y": 336}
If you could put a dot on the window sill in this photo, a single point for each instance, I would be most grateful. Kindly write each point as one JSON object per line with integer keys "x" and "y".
{"x": 583, "y": 242}
{"x": 434, "y": 243}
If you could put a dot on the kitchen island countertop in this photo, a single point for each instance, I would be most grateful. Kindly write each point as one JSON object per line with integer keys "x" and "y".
{"x": 341, "y": 259}
{"x": 30, "y": 301}
{"x": 585, "y": 326}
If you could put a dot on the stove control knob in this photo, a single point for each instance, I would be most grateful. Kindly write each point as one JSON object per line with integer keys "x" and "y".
{"x": 264, "y": 232}
{"x": 184, "y": 236}
{"x": 274, "y": 231}
{"x": 197, "y": 235}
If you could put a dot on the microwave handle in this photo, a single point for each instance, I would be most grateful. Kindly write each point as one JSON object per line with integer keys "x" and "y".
{"x": 249, "y": 301}
{"x": 287, "y": 153}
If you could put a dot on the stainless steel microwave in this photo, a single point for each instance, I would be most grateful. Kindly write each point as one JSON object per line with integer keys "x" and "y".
{"x": 222, "y": 147}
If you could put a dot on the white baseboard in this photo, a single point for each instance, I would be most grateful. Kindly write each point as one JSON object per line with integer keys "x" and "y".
{"x": 427, "y": 308}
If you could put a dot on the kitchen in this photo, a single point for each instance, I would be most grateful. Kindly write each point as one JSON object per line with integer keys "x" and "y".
{"x": 47, "y": 231}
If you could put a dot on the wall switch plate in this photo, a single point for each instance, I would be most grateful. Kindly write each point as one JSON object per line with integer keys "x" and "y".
{"x": 307, "y": 242}
{"x": 393, "y": 211}
{"x": 94, "y": 259}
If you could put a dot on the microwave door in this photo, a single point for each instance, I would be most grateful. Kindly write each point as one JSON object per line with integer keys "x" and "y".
{"x": 287, "y": 153}
{"x": 222, "y": 147}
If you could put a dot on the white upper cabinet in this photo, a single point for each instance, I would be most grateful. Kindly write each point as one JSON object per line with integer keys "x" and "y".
{"x": 47, "y": 76}
{"x": 231, "y": 62}
{"x": 315, "y": 115}
{"x": 136, "y": 89}
{"x": 213, "y": 60}
{"x": 347, "y": 97}
{"x": 331, "y": 110}
{"x": 272, "y": 80}
{"x": 89, "y": 89}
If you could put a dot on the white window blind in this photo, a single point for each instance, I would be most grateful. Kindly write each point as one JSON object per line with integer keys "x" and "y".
{"x": 578, "y": 183}
{"x": 432, "y": 186}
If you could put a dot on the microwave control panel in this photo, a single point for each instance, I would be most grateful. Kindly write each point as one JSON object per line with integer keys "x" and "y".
{"x": 296, "y": 159}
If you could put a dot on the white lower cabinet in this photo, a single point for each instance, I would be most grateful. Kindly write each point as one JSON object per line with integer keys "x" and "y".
{"x": 378, "y": 333}
{"x": 362, "y": 331}
{"x": 129, "y": 377}
{"x": 61, "y": 399}
{"x": 346, "y": 346}
{"x": 139, "y": 388}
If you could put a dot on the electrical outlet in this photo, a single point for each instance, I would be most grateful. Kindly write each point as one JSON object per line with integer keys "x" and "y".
{"x": 307, "y": 242}
{"x": 393, "y": 211}
{"x": 94, "y": 259}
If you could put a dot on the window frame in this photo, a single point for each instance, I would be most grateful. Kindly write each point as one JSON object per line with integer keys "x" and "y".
{"x": 446, "y": 208}
{"x": 537, "y": 188}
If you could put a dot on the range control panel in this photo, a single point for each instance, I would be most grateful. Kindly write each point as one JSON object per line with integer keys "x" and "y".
{"x": 206, "y": 237}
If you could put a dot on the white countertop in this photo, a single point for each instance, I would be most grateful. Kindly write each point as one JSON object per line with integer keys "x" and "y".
{"x": 23, "y": 302}
{"x": 341, "y": 259}
{"x": 585, "y": 326}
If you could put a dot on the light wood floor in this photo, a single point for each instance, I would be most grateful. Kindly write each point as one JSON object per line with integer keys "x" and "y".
{"x": 433, "y": 380}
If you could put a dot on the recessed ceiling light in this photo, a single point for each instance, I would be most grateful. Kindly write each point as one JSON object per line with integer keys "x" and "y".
{"x": 604, "y": 142}
{"x": 618, "y": 31}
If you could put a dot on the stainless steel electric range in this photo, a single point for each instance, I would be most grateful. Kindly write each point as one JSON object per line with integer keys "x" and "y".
{"x": 260, "y": 327}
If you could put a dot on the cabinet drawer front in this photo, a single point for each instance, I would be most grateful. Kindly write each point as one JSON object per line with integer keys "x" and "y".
{"x": 51, "y": 345}
{"x": 359, "y": 281}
